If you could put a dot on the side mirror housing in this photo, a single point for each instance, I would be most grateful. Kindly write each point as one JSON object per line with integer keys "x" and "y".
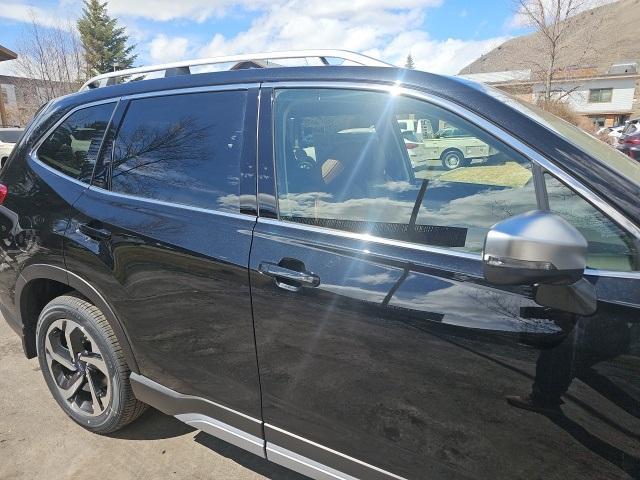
{"x": 541, "y": 249}
{"x": 534, "y": 248}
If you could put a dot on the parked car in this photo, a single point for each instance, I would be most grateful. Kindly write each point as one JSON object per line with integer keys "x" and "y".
{"x": 8, "y": 138}
{"x": 630, "y": 144}
{"x": 631, "y": 127}
{"x": 454, "y": 148}
{"x": 218, "y": 247}
{"x": 612, "y": 134}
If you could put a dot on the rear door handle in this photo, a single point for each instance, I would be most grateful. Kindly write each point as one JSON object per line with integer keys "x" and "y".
{"x": 95, "y": 233}
{"x": 274, "y": 270}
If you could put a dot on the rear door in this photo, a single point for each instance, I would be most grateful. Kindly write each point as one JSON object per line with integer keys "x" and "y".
{"x": 383, "y": 353}
{"x": 164, "y": 234}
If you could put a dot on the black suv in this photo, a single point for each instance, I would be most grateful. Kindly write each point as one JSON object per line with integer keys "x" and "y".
{"x": 256, "y": 253}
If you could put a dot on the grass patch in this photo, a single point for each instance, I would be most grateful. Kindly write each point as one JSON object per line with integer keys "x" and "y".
{"x": 509, "y": 174}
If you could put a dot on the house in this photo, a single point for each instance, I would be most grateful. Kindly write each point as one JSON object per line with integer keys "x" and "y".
{"x": 6, "y": 93}
{"x": 606, "y": 99}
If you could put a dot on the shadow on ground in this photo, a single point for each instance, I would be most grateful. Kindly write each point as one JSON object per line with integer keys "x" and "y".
{"x": 155, "y": 425}
{"x": 248, "y": 460}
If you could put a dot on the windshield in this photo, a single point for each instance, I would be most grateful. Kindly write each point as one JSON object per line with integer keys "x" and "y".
{"x": 10, "y": 136}
{"x": 607, "y": 154}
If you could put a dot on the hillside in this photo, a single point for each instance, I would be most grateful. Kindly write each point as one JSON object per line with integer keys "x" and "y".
{"x": 615, "y": 40}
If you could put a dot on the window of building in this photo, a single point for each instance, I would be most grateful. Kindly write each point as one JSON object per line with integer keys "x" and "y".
{"x": 73, "y": 146}
{"x": 598, "y": 121}
{"x": 600, "y": 95}
{"x": 182, "y": 149}
{"x": 610, "y": 247}
{"x": 342, "y": 162}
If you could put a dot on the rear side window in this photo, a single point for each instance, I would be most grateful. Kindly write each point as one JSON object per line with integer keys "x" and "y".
{"x": 182, "y": 149}
{"x": 73, "y": 146}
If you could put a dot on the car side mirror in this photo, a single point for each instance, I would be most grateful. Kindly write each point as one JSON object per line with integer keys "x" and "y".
{"x": 542, "y": 249}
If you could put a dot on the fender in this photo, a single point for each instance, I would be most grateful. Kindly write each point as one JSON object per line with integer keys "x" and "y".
{"x": 59, "y": 274}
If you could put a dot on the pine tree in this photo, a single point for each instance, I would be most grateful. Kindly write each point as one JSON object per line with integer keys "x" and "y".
{"x": 409, "y": 62}
{"x": 104, "y": 42}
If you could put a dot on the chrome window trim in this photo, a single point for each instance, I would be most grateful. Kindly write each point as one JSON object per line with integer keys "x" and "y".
{"x": 364, "y": 237}
{"x": 597, "y": 272}
{"x": 531, "y": 154}
{"x": 187, "y": 90}
{"x": 327, "y": 449}
{"x": 33, "y": 153}
{"x": 241, "y": 216}
{"x": 40, "y": 163}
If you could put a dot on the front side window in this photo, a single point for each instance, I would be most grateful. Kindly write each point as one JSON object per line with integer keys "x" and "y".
{"x": 182, "y": 149}
{"x": 73, "y": 146}
{"x": 610, "y": 247}
{"x": 394, "y": 167}
{"x": 600, "y": 95}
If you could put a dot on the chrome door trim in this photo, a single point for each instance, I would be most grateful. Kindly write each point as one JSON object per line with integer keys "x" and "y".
{"x": 303, "y": 465}
{"x": 241, "y": 216}
{"x": 243, "y": 439}
{"x": 225, "y": 432}
{"x": 489, "y": 127}
{"x": 364, "y": 237}
{"x": 275, "y": 448}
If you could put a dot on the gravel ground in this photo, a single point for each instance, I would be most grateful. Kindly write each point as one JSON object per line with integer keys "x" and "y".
{"x": 37, "y": 440}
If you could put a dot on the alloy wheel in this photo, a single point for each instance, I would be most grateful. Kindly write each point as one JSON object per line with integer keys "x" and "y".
{"x": 452, "y": 160}
{"x": 77, "y": 367}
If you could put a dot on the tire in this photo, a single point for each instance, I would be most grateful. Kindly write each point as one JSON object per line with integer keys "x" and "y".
{"x": 90, "y": 381}
{"x": 452, "y": 159}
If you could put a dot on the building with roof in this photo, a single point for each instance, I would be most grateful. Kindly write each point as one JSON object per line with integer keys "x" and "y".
{"x": 5, "y": 54}
{"x": 606, "y": 98}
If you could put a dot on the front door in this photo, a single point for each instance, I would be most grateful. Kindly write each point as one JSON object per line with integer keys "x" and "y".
{"x": 383, "y": 353}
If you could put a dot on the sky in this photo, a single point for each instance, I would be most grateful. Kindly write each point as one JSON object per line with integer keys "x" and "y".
{"x": 442, "y": 36}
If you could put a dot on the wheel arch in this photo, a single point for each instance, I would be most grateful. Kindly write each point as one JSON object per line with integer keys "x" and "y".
{"x": 57, "y": 281}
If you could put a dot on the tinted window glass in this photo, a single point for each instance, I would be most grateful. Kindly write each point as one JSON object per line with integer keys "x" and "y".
{"x": 617, "y": 160}
{"x": 344, "y": 161}
{"x": 73, "y": 147}
{"x": 183, "y": 149}
{"x": 610, "y": 248}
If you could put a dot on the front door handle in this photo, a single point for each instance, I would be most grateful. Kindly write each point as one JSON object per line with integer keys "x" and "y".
{"x": 298, "y": 278}
{"x": 93, "y": 232}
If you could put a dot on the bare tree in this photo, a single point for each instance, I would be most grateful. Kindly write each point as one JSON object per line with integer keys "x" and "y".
{"x": 50, "y": 60}
{"x": 560, "y": 43}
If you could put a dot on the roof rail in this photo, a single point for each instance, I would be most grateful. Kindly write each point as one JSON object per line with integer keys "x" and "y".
{"x": 255, "y": 60}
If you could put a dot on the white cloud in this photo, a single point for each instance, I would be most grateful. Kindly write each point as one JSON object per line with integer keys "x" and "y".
{"x": 26, "y": 13}
{"x": 377, "y": 28}
{"x": 164, "y": 10}
{"x": 163, "y": 49}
